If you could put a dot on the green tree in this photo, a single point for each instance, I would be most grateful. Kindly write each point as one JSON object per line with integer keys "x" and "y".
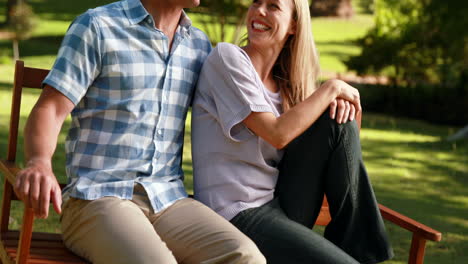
{"x": 10, "y": 4}
{"x": 423, "y": 46}
{"x": 366, "y": 6}
{"x": 419, "y": 41}
{"x": 220, "y": 16}
{"x": 22, "y": 23}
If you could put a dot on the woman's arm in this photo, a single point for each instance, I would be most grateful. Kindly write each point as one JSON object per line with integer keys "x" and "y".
{"x": 279, "y": 131}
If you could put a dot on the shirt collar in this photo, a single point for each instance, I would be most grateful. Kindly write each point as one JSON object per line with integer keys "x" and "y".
{"x": 136, "y": 13}
{"x": 185, "y": 23}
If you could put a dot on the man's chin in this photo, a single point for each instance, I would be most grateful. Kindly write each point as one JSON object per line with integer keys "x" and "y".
{"x": 194, "y": 3}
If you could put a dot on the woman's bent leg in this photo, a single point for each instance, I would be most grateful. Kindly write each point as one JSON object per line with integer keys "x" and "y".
{"x": 282, "y": 240}
{"x": 327, "y": 159}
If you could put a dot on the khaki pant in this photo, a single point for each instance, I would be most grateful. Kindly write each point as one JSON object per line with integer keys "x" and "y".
{"x": 111, "y": 230}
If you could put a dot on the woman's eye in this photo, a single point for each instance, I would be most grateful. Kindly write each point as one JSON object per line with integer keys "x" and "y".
{"x": 274, "y": 6}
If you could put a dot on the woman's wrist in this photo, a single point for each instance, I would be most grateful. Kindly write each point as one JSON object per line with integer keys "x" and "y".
{"x": 334, "y": 87}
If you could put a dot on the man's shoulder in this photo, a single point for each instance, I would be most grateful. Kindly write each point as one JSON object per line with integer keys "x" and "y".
{"x": 107, "y": 9}
{"x": 198, "y": 35}
{"x": 101, "y": 13}
{"x": 199, "y": 41}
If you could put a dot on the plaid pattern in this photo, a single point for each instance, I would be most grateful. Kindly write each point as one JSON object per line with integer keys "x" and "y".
{"x": 131, "y": 95}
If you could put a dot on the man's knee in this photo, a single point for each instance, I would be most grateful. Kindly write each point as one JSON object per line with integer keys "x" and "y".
{"x": 125, "y": 257}
{"x": 249, "y": 252}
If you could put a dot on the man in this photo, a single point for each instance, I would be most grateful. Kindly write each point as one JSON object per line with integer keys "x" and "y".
{"x": 126, "y": 72}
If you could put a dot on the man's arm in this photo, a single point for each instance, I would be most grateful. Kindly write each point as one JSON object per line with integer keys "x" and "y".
{"x": 36, "y": 184}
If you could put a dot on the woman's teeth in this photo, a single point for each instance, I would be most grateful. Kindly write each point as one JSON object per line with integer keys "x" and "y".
{"x": 259, "y": 26}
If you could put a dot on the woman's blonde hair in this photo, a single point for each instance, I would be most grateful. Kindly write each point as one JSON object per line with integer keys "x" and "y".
{"x": 297, "y": 67}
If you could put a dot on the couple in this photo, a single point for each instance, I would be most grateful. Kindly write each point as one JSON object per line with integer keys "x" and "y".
{"x": 264, "y": 149}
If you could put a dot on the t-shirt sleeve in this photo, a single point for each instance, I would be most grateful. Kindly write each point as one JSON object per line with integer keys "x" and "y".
{"x": 78, "y": 62}
{"x": 234, "y": 89}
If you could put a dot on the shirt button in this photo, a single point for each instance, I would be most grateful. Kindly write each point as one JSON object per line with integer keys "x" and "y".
{"x": 160, "y": 132}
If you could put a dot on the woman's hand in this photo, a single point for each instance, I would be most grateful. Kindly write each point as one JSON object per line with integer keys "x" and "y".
{"x": 342, "y": 111}
{"x": 347, "y": 103}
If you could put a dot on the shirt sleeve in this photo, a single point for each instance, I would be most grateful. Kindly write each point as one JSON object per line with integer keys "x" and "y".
{"x": 234, "y": 89}
{"x": 203, "y": 43}
{"x": 79, "y": 59}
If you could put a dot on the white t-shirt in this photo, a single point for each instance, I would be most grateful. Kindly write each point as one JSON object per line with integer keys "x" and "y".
{"x": 233, "y": 168}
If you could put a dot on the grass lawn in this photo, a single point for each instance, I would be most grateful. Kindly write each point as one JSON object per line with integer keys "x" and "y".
{"x": 413, "y": 169}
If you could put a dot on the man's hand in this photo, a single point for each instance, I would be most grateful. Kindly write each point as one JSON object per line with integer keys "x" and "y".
{"x": 36, "y": 186}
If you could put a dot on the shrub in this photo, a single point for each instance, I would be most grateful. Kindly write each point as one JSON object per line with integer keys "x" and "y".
{"x": 417, "y": 42}
{"x": 425, "y": 102}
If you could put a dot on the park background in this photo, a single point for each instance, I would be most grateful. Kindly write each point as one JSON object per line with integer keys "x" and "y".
{"x": 408, "y": 58}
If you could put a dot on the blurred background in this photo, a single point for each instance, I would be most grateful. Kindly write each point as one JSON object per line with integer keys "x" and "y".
{"x": 408, "y": 58}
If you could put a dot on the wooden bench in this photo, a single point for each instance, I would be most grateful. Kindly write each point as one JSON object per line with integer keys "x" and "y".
{"x": 26, "y": 246}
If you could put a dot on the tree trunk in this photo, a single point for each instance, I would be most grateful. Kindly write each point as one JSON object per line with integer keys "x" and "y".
{"x": 336, "y": 8}
{"x": 15, "y": 50}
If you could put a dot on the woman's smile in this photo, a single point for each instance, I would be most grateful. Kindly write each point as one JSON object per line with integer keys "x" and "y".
{"x": 259, "y": 26}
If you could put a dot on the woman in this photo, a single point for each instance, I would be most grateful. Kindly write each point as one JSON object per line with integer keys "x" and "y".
{"x": 259, "y": 117}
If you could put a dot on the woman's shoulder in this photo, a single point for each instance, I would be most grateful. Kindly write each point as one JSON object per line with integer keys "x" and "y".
{"x": 230, "y": 54}
{"x": 224, "y": 47}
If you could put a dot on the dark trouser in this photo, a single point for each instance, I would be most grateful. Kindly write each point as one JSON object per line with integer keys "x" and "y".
{"x": 326, "y": 158}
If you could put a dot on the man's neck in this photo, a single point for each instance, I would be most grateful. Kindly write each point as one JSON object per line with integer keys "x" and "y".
{"x": 166, "y": 17}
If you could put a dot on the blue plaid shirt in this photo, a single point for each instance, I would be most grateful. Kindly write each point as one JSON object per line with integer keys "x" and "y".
{"x": 132, "y": 95}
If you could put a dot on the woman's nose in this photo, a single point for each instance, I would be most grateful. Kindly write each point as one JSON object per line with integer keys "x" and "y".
{"x": 261, "y": 10}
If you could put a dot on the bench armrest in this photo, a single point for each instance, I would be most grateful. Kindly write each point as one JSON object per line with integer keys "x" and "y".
{"x": 410, "y": 224}
{"x": 9, "y": 169}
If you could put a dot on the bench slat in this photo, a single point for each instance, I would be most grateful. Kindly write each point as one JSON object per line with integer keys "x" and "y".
{"x": 46, "y": 248}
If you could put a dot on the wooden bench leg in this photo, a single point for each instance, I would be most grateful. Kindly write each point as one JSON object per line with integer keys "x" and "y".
{"x": 418, "y": 247}
{"x": 6, "y": 205}
{"x": 25, "y": 236}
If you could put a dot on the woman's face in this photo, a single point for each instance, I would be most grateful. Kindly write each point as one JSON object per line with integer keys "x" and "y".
{"x": 270, "y": 22}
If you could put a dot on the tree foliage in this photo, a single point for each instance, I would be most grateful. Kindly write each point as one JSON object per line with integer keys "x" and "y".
{"x": 367, "y": 6}
{"x": 10, "y": 6}
{"x": 219, "y": 17}
{"x": 22, "y": 24}
{"x": 420, "y": 41}
{"x": 22, "y": 21}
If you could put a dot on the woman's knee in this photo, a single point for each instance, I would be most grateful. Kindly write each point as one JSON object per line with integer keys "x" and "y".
{"x": 327, "y": 121}
{"x": 326, "y": 129}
